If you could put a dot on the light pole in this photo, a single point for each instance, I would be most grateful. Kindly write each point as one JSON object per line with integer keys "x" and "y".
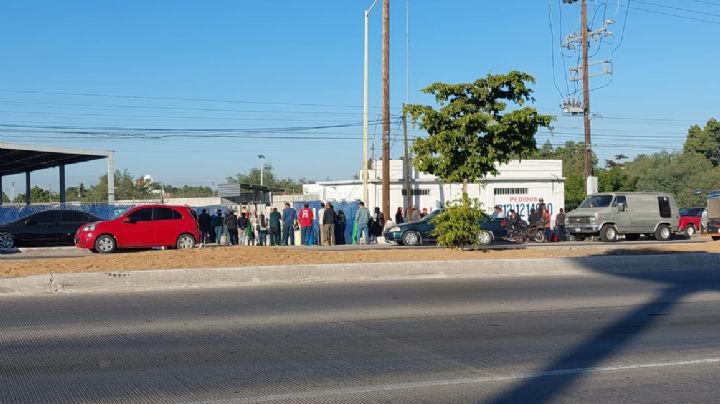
{"x": 261, "y": 158}
{"x": 365, "y": 107}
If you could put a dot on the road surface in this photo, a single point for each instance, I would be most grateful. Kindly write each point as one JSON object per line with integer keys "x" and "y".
{"x": 650, "y": 337}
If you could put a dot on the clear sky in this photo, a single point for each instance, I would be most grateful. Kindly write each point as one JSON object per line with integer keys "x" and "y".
{"x": 191, "y": 92}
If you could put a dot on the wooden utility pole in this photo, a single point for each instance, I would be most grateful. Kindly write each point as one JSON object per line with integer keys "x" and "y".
{"x": 386, "y": 109}
{"x": 586, "y": 90}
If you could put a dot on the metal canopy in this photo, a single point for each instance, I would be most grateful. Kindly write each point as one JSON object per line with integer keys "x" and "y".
{"x": 16, "y": 159}
{"x": 247, "y": 193}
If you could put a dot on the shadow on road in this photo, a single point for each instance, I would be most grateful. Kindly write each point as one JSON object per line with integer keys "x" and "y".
{"x": 610, "y": 340}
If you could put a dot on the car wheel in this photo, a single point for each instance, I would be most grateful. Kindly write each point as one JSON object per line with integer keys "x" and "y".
{"x": 632, "y": 237}
{"x": 185, "y": 241}
{"x": 484, "y": 237}
{"x": 411, "y": 238}
{"x": 608, "y": 233}
{"x": 689, "y": 231}
{"x": 537, "y": 236}
{"x": 6, "y": 241}
{"x": 662, "y": 233}
{"x": 105, "y": 244}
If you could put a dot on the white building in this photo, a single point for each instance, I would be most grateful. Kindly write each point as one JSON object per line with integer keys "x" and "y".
{"x": 519, "y": 185}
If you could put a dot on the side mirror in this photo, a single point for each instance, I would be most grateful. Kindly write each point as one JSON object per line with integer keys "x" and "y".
{"x": 621, "y": 207}
{"x": 30, "y": 222}
{"x": 128, "y": 220}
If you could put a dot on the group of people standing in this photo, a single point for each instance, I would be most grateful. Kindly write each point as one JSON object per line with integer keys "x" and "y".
{"x": 539, "y": 216}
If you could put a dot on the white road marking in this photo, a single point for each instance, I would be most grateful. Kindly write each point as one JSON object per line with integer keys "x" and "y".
{"x": 469, "y": 380}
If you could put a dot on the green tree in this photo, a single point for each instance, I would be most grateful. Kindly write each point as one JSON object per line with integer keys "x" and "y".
{"x": 472, "y": 130}
{"x": 573, "y": 158}
{"x": 705, "y": 141}
{"x": 125, "y": 188}
{"x": 269, "y": 179}
{"x": 460, "y": 227}
{"x": 5, "y": 198}
{"x": 38, "y": 194}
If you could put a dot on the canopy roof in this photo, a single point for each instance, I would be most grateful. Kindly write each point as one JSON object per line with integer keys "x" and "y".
{"x": 16, "y": 159}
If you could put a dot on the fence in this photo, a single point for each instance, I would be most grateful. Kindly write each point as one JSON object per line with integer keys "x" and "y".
{"x": 11, "y": 213}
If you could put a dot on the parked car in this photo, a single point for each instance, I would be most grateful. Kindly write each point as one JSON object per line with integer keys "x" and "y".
{"x": 690, "y": 221}
{"x": 142, "y": 227}
{"x": 421, "y": 232}
{"x": 49, "y": 227}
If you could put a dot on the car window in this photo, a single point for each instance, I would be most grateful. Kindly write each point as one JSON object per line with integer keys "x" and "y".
{"x": 664, "y": 206}
{"x": 141, "y": 215}
{"x": 620, "y": 199}
{"x": 47, "y": 217}
{"x": 73, "y": 216}
{"x": 166, "y": 214}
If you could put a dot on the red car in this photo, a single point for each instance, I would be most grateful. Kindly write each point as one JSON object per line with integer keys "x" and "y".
{"x": 142, "y": 227}
{"x": 690, "y": 221}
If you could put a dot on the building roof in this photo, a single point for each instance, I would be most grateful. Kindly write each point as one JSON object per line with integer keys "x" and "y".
{"x": 16, "y": 158}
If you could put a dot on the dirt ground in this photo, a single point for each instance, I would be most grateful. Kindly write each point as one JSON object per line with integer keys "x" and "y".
{"x": 236, "y": 256}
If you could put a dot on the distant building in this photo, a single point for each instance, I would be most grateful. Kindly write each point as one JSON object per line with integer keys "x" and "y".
{"x": 519, "y": 185}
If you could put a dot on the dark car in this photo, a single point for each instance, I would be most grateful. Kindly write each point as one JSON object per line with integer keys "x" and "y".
{"x": 420, "y": 232}
{"x": 50, "y": 227}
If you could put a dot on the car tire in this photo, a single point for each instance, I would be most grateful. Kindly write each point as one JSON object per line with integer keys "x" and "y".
{"x": 105, "y": 244}
{"x": 185, "y": 241}
{"x": 484, "y": 237}
{"x": 6, "y": 241}
{"x": 662, "y": 233}
{"x": 411, "y": 238}
{"x": 689, "y": 231}
{"x": 608, "y": 233}
{"x": 537, "y": 235}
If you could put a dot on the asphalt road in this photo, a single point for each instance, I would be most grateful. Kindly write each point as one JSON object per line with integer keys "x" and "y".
{"x": 650, "y": 337}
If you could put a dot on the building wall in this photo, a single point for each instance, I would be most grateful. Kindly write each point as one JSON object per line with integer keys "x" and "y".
{"x": 519, "y": 185}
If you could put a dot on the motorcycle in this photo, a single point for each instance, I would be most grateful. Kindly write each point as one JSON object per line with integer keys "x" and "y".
{"x": 521, "y": 232}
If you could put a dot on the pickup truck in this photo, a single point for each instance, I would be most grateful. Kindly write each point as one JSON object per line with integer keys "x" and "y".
{"x": 690, "y": 221}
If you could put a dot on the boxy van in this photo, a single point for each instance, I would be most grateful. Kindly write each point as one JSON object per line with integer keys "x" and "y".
{"x": 631, "y": 214}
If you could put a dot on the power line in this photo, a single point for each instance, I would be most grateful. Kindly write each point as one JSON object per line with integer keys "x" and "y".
{"x": 670, "y": 14}
{"x": 649, "y": 3}
{"x": 552, "y": 51}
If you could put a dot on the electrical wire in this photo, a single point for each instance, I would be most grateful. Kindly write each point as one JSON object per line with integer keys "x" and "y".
{"x": 552, "y": 51}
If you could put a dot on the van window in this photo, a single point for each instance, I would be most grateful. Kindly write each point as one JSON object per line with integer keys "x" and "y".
{"x": 596, "y": 201}
{"x": 664, "y": 205}
{"x": 620, "y": 199}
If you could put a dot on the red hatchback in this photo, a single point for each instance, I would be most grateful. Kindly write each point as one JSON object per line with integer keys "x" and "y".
{"x": 140, "y": 227}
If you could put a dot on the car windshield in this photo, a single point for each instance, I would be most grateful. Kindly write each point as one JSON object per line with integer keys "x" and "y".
{"x": 430, "y": 215}
{"x": 691, "y": 211}
{"x": 596, "y": 201}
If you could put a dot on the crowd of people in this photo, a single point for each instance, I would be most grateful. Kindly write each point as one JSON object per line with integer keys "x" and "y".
{"x": 278, "y": 229}
{"x": 539, "y": 217}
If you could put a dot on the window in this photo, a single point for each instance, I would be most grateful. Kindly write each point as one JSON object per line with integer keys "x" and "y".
{"x": 511, "y": 191}
{"x": 47, "y": 217}
{"x": 416, "y": 192}
{"x": 142, "y": 215}
{"x": 73, "y": 216}
{"x": 620, "y": 199}
{"x": 664, "y": 205}
{"x": 166, "y": 214}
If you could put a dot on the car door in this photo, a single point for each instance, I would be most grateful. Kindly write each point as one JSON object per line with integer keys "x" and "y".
{"x": 623, "y": 218}
{"x": 135, "y": 229}
{"x": 167, "y": 224}
{"x": 38, "y": 228}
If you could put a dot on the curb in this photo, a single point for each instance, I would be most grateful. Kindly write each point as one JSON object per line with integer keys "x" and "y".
{"x": 173, "y": 279}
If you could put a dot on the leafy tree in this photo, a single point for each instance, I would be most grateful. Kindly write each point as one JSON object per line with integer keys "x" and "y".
{"x": 188, "y": 191}
{"x": 705, "y": 141}
{"x": 5, "y": 198}
{"x": 468, "y": 135}
{"x": 38, "y": 194}
{"x": 472, "y": 131}
{"x": 125, "y": 188}
{"x": 573, "y": 158}
{"x": 457, "y": 226}
{"x": 269, "y": 179}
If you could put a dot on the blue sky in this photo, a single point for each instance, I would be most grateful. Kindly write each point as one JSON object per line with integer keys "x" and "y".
{"x": 284, "y": 78}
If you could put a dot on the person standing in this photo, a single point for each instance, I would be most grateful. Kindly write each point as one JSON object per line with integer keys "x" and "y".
{"x": 340, "y": 221}
{"x": 204, "y": 223}
{"x": 274, "y": 227}
{"x": 415, "y": 214}
{"x": 262, "y": 230}
{"x": 242, "y": 225}
{"x": 362, "y": 217}
{"x": 399, "y": 216}
{"x": 218, "y": 222}
{"x": 320, "y": 217}
{"x": 560, "y": 224}
{"x": 289, "y": 217}
{"x": 231, "y": 223}
{"x": 545, "y": 219}
{"x": 378, "y": 221}
{"x": 328, "y": 227}
{"x": 305, "y": 217}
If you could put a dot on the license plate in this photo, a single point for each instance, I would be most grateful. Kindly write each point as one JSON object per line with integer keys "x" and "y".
{"x": 578, "y": 229}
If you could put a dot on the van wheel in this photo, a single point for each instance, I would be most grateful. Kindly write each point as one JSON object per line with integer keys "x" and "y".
{"x": 608, "y": 233}
{"x": 689, "y": 231}
{"x": 411, "y": 238}
{"x": 662, "y": 233}
{"x": 185, "y": 241}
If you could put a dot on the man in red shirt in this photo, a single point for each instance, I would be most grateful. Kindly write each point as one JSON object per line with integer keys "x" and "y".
{"x": 305, "y": 217}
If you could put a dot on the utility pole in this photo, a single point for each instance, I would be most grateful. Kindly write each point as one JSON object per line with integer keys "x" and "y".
{"x": 365, "y": 107}
{"x": 571, "y": 105}
{"x": 386, "y": 109}
{"x": 406, "y": 165}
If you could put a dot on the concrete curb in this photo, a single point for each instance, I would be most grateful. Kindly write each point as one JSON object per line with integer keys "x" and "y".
{"x": 232, "y": 277}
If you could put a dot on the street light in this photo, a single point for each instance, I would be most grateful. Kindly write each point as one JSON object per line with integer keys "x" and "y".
{"x": 365, "y": 107}
{"x": 261, "y": 158}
